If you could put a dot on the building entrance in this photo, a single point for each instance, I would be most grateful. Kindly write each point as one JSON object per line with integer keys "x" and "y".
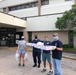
{"x": 3, "y": 40}
{"x": 7, "y": 36}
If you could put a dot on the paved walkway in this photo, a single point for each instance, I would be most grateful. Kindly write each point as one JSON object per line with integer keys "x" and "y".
{"x": 9, "y": 66}
{"x": 69, "y": 56}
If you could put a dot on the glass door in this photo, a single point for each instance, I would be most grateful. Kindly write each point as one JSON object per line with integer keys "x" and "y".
{"x": 3, "y": 39}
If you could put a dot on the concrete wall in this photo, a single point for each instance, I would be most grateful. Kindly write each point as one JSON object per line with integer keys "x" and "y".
{"x": 25, "y": 12}
{"x": 6, "y": 3}
{"x": 56, "y": 7}
{"x": 11, "y": 20}
{"x": 43, "y": 23}
{"x": 53, "y": 7}
{"x": 63, "y": 35}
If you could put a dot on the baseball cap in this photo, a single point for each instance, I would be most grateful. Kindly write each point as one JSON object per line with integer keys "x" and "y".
{"x": 55, "y": 34}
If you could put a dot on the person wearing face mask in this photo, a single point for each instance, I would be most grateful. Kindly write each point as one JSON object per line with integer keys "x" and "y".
{"x": 21, "y": 50}
{"x": 36, "y": 52}
{"x": 57, "y": 54}
{"x": 47, "y": 56}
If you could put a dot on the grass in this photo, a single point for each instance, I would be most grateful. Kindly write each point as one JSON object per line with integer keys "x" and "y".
{"x": 70, "y": 50}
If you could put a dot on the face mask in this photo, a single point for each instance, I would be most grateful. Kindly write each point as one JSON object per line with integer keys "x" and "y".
{"x": 22, "y": 38}
{"x": 56, "y": 38}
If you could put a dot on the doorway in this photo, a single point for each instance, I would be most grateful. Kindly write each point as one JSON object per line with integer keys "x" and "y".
{"x": 29, "y": 36}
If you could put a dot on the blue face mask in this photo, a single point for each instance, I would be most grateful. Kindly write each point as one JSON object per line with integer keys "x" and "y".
{"x": 56, "y": 38}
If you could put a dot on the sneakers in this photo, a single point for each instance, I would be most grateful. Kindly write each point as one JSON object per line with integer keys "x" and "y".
{"x": 34, "y": 65}
{"x": 50, "y": 73}
{"x": 44, "y": 70}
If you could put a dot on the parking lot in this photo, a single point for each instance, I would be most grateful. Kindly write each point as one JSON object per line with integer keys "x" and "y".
{"x": 9, "y": 66}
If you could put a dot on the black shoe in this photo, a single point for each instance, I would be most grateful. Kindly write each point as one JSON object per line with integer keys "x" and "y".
{"x": 44, "y": 70}
{"x": 23, "y": 65}
{"x": 50, "y": 73}
{"x": 19, "y": 64}
{"x": 34, "y": 65}
{"x": 39, "y": 66}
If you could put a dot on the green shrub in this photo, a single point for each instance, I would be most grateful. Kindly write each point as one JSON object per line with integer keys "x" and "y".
{"x": 68, "y": 46}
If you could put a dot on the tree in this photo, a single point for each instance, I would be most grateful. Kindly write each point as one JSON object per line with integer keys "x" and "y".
{"x": 68, "y": 20}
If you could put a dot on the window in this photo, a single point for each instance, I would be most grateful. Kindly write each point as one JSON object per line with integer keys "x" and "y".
{"x": 24, "y": 6}
{"x": 34, "y": 4}
{"x": 68, "y": 0}
{"x": 44, "y": 2}
{"x": 4, "y": 10}
{"x": 28, "y": 5}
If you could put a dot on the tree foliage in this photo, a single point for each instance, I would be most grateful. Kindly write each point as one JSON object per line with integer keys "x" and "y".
{"x": 68, "y": 20}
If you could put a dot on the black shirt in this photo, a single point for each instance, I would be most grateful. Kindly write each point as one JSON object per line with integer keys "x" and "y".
{"x": 36, "y": 49}
{"x": 47, "y": 43}
{"x": 56, "y": 54}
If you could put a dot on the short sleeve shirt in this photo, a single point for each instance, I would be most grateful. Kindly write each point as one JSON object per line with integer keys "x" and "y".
{"x": 47, "y": 43}
{"x": 22, "y": 45}
{"x": 36, "y": 49}
{"x": 56, "y": 54}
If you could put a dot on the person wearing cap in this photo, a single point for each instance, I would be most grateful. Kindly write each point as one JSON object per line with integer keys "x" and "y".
{"x": 57, "y": 54}
{"x": 46, "y": 55}
{"x": 36, "y": 52}
{"x": 21, "y": 50}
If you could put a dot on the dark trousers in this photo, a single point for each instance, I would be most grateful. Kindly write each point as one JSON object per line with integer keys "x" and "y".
{"x": 37, "y": 57}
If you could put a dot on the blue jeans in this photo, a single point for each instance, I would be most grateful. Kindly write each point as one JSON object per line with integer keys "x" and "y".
{"x": 57, "y": 67}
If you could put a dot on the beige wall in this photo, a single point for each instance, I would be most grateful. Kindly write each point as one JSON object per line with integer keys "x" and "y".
{"x": 63, "y": 35}
{"x": 11, "y": 20}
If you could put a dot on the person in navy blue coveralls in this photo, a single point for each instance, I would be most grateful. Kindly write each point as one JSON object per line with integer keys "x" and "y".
{"x": 36, "y": 52}
{"x": 46, "y": 55}
{"x": 57, "y": 55}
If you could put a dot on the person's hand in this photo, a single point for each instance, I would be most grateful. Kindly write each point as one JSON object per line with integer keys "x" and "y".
{"x": 54, "y": 47}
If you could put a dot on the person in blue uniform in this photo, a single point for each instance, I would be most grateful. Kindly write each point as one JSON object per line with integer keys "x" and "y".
{"x": 36, "y": 53}
{"x": 46, "y": 55}
{"x": 57, "y": 55}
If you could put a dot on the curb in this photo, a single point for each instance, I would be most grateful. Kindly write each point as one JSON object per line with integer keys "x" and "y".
{"x": 71, "y": 58}
{"x": 66, "y": 57}
{"x": 30, "y": 50}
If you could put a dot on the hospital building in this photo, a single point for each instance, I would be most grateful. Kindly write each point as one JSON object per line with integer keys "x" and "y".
{"x": 30, "y": 17}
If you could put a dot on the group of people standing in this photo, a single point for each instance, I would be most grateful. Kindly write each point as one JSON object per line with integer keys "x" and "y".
{"x": 54, "y": 59}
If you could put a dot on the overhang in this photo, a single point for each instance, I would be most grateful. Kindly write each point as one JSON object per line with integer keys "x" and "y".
{"x": 7, "y": 20}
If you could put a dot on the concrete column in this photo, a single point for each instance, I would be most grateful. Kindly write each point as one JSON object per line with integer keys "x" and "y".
{"x": 39, "y": 7}
{"x": 75, "y": 41}
{"x": 7, "y": 10}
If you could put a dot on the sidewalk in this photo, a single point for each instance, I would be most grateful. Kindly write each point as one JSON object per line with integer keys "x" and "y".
{"x": 69, "y": 56}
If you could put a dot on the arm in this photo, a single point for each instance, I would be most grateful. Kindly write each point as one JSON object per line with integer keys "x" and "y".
{"x": 60, "y": 49}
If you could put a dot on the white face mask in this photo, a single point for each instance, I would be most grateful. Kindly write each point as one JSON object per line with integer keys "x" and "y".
{"x": 56, "y": 38}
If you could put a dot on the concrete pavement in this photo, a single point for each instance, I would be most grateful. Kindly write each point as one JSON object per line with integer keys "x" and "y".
{"x": 9, "y": 66}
